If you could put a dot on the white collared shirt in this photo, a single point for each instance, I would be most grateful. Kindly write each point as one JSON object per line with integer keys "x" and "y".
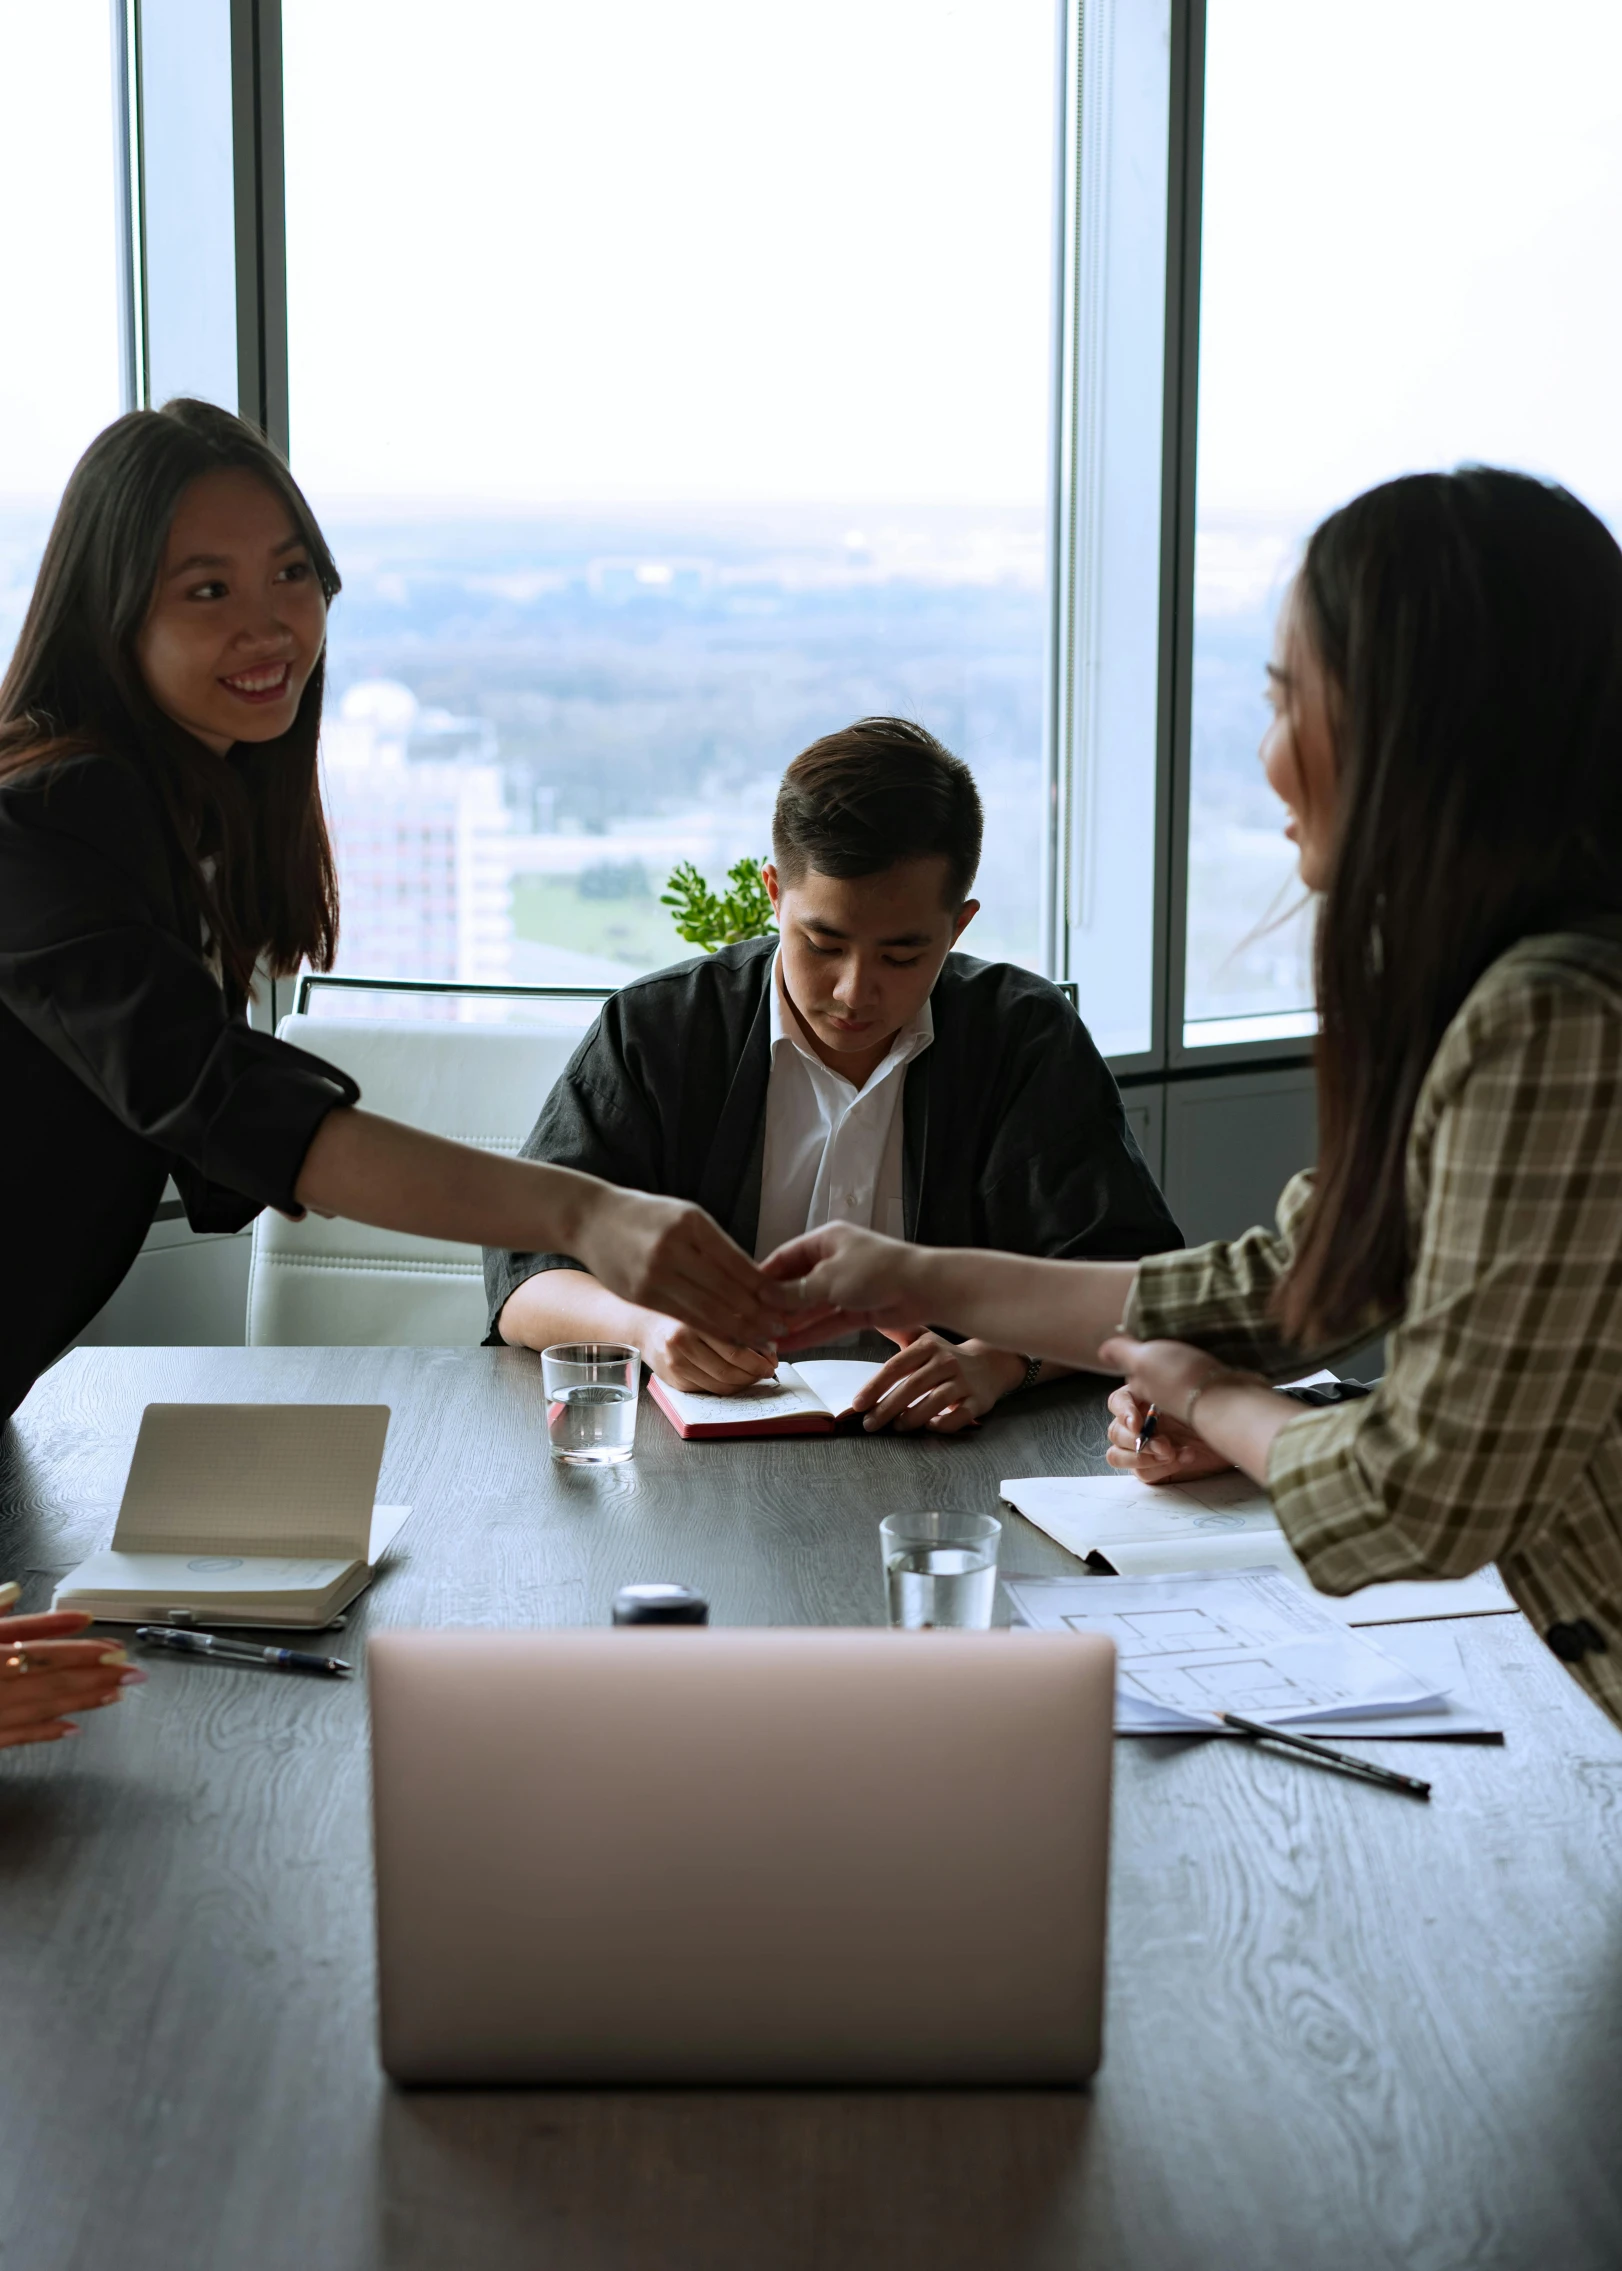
{"x": 833, "y": 1151}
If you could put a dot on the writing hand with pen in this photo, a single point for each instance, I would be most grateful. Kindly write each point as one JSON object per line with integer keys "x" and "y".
{"x": 1148, "y": 1444}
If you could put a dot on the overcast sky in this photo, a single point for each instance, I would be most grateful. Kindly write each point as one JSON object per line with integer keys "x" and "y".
{"x": 1413, "y": 245}
{"x": 735, "y": 250}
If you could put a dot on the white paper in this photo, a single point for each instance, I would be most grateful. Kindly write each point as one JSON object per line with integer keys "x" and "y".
{"x": 183, "y": 1578}
{"x": 200, "y": 1578}
{"x": 1087, "y": 1511}
{"x": 836, "y": 1379}
{"x": 1191, "y": 1647}
{"x": 387, "y": 1523}
{"x": 1221, "y": 1522}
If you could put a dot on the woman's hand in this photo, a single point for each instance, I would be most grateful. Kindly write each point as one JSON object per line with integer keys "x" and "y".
{"x": 45, "y": 1674}
{"x": 1172, "y": 1454}
{"x": 1167, "y": 1374}
{"x": 669, "y": 1256}
{"x": 937, "y": 1384}
{"x": 854, "y": 1280}
{"x": 1235, "y": 1414}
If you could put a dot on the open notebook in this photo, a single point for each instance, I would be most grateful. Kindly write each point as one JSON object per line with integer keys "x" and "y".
{"x": 1222, "y": 1523}
{"x": 243, "y": 1514}
{"x": 802, "y": 1399}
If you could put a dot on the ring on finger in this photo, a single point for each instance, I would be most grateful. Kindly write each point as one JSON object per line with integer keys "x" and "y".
{"x": 15, "y": 1660}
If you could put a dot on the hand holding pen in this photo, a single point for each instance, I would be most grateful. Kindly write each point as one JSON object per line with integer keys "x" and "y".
{"x": 1148, "y": 1444}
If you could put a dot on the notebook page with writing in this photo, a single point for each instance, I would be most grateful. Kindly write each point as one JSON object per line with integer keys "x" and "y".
{"x": 293, "y": 1480}
{"x": 798, "y": 1394}
{"x": 764, "y": 1402}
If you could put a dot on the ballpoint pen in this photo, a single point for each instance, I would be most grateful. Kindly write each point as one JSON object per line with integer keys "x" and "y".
{"x": 1148, "y": 1431}
{"x": 1364, "y": 1767}
{"x": 238, "y": 1651}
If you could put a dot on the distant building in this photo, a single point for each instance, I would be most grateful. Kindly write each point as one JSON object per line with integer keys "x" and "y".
{"x": 420, "y": 829}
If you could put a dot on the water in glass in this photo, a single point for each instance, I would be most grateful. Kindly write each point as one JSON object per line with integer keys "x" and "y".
{"x": 932, "y": 1585}
{"x": 592, "y": 1425}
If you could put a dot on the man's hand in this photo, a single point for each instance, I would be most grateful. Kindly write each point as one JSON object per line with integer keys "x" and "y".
{"x": 937, "y": 1384}
{"x": 667, "y": 1255}
{"x": 683, "y": 1357}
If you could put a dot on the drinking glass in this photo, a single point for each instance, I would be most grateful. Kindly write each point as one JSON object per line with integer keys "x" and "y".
{"x": 940, "y": 1569}
{"x": 591, "y": 1401}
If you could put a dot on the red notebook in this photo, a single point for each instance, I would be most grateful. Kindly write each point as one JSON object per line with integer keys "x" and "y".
{"x": 804, "y": 1399}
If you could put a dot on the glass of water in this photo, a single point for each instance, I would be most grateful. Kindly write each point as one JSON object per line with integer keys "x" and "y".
{"x": 940, "y": 1569}
{"x": 591, "y": 1401}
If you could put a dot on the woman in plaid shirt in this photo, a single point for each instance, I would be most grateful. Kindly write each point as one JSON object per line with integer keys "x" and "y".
{"x": 1447, "y": 740}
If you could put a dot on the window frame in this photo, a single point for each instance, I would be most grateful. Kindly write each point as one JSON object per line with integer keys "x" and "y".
{"x": 261, "y": 362}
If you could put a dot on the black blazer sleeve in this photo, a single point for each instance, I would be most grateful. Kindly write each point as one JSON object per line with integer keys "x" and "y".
{"x": 95, "y": 964}
{"x": 597, "y": 1119}
{"x": 1063, "y": 1177}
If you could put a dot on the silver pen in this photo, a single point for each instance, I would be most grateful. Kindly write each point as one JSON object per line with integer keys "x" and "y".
{"x": 185, "y": 1643}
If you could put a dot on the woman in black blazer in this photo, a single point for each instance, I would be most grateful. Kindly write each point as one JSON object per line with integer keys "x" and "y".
{"x": 161, "y": 837}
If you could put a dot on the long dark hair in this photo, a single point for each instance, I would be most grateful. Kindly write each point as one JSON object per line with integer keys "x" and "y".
{"x": 1469, "y": 626}
{"x": 251, "y": 828}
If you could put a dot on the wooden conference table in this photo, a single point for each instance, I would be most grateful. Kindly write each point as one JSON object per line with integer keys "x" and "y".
{"x": 1344, "y": 2031}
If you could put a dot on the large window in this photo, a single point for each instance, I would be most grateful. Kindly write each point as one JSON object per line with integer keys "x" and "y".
{"x": 679, "y": 383}
{"x": 673, "y": 384}
{"x": 59, "y": 373}
{"x": 1412, "y": 210}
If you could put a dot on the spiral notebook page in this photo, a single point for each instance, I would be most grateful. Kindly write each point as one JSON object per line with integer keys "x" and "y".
{"x": 296, "y": 1480}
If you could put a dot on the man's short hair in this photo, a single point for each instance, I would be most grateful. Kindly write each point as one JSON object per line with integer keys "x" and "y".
{"x": 881, "y": 790}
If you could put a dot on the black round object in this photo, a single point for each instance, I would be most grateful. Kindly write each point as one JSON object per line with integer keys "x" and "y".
{"x": 660, "y": 1604}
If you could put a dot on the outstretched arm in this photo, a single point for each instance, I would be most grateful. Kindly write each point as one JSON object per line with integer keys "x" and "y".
{"x": 660, "y": 1254}
{"x": 1061, "y": 1310}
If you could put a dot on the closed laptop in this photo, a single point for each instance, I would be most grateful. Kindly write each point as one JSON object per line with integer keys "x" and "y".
{"x": 741, "y": 1856}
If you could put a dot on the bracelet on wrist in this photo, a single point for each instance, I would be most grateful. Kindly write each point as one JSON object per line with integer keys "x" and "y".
{"x": 1219, "y": 1375}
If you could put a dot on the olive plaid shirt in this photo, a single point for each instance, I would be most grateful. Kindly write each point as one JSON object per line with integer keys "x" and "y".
{"x": 1496, "y": 1435}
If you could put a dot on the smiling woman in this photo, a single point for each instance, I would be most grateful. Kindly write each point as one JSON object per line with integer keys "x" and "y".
{"x": 240, "y": 616}
{"x": 161, "y": 838}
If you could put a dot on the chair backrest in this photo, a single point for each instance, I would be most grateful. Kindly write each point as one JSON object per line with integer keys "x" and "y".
{"x": 319, "y": 1283}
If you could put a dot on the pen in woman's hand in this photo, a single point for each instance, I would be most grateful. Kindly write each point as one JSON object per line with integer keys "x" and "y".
{"x": 1147, "y": 1432}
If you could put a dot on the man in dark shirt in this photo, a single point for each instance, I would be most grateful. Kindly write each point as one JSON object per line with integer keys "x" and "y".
{"x": 853, "y": 1069}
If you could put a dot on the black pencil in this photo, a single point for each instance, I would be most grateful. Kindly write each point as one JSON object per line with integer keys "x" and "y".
{"x": 1366, "y": 1767}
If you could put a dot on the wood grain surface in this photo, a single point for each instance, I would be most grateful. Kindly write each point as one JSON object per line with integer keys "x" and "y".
{"x": 1345, "y": 2032}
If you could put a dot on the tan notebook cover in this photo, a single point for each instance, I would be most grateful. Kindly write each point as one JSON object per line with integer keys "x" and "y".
{"x": 243, "y": 1513}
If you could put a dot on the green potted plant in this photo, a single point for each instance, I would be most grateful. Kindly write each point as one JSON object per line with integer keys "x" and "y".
{"x": 709, "y": 920}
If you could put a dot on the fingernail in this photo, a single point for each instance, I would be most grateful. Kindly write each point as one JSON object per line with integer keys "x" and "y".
{"x": 69, "y": 1729}
{"x": 10, "y": 1591}
{"x": 133, "y": 1679}
{"x": 113, "y": 1656}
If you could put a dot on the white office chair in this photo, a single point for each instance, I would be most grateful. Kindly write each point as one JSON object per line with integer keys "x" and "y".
{"x": 317, "y": 1283}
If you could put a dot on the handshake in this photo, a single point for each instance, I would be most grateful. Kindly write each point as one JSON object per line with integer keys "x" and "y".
{"x": 710, "y": 1320}
{"x": 668, "y": 1255}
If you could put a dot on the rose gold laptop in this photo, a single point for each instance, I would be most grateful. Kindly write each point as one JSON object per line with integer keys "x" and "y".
{"x": 741, "y": 1856}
